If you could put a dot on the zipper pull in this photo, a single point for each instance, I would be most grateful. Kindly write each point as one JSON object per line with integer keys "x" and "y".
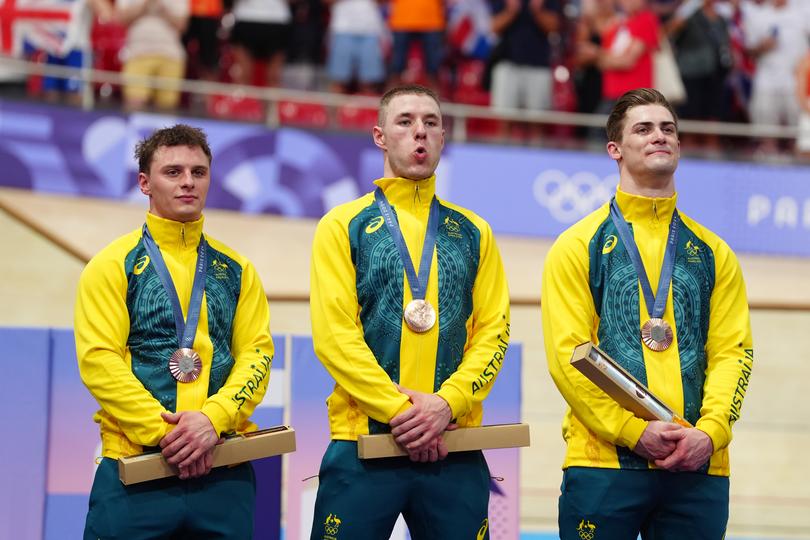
{"x": 183, "y": 234}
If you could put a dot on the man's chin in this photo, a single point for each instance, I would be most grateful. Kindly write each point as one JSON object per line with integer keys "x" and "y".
{"x": 664, "y": 166}
{"x": 420, "y": 173}
{"x": 186, "y": 215}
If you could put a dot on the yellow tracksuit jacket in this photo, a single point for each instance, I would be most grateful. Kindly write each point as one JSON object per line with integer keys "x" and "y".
{"x": 359, "y": 291}
{"x": 125, "y": 334}
{"x": 591, "y": 292}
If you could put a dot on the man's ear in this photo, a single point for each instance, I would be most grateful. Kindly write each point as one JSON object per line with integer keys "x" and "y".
{"x": 379, "y": 137}
{"x": 614, "y": 150}
{"x": 143, "y": 183}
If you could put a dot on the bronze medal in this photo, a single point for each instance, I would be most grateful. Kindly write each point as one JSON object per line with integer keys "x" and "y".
{"x": 185, "y": 365}
{"x": 419, "y": 316}
{"x": 656, "y": 334}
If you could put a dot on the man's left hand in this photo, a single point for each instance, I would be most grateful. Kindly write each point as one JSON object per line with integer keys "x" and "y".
{"x": 187, "y": 443}
{"x": 417, "y": 427}
{"x": 693, "y": 448}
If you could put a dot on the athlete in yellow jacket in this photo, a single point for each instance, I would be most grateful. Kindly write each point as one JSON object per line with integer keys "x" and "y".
{"x": 409, "y": 377}
{"x": 128, "y": 348}
{"x": 624, "y": 475}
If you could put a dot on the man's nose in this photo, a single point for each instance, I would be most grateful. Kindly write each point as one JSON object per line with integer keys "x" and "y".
{"x": 187, "y": 179}
{"x": 658, "y": 134}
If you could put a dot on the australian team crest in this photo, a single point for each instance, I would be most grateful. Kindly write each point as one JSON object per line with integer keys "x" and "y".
{"x": 331, "y": 527}
{"x": 586, "y": 530}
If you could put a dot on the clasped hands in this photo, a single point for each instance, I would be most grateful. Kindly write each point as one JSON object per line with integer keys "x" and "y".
{"x": 673, "y": 447}
{"x": 419, "y": 429}
{"x": 190, "y": 445}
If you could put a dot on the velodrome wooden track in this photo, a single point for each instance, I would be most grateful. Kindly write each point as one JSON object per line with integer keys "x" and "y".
{"x": 47, "y": 239}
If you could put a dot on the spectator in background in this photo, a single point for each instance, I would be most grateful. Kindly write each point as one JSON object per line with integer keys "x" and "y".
{"x": 75, "y": 51}
{"x": 305, "y": 50}
{"x": 153, "y": 48}
{"x": 703, "y": 51}
{"x": 777, "y": 34}
{"x": 261, "y": 33}
{"x": 803, "y": 97}
{"x": 625, "y": 56}
{"x": 522, "y": 77}
{"x": 206, "y": 16}
{"x": 664, "y": 9}
{"x": 417, "y": 20}
{"x": 355, "y": 51}
{"x": 742, "y": 69}
{"x": 596, "y": 14}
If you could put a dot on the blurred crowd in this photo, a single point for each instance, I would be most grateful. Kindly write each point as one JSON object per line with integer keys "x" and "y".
{"x": 726, "y": 60}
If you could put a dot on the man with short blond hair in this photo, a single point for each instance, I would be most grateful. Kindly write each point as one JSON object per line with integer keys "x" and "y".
{"x": 410, "y": 316}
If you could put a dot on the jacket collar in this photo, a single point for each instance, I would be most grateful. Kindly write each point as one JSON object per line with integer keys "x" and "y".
{"x": 408, "y": 193}
{"x": 637, "y": 208}
{"x": 175, "y": 235}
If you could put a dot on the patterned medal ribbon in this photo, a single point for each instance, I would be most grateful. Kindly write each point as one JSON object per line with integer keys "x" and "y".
{"x": 184, "y": 364}
{"x": 419, "y": 314}
{"x": 656, "y": 333}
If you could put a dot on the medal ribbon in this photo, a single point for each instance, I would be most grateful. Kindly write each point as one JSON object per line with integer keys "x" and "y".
{"x": 417, "y": 283}
{"x": 188, "y": 328}
{"x": 655, "y": 304}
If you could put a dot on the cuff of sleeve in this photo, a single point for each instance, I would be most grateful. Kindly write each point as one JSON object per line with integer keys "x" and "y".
{"x": 455, "y": 399}
{"x": 631, "y": 432}
{"x": 219, "y": 418}
{"x": 716, "y": 432}
{"x": 155, "y": 439}
{"x": 404, "y": 407}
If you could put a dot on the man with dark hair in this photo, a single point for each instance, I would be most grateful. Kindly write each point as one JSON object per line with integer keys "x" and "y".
{"x": 635, "y": 98}
{"x": 688, "y": 339}
{"x": 410, "y": 315}
{"x": 521, "y": 77}
{"x": 172, "y": 337}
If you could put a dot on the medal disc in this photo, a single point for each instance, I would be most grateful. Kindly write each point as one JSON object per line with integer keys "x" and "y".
{"x": 656, "y": 334}
{"x": 419, "y": 316}
{"x": 185, "y": 365}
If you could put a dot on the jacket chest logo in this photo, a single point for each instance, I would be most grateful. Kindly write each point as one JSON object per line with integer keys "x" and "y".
{"x": 374, "y": 224}
{"x": 220, "y": 269}
{"x": 452, "y": 227}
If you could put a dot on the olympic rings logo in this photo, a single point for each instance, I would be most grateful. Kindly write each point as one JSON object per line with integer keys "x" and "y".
{"x": 569, "y": 198}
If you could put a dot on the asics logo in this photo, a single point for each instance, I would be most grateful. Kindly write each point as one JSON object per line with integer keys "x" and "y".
{"x": 609, "y": 244}
{"x": 374, "y": 224}
{"x": 140, "y": 265}
{"x": 569, "y": 198}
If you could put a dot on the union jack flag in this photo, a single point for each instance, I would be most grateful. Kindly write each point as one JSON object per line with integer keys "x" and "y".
{"x": 41, "y": 24}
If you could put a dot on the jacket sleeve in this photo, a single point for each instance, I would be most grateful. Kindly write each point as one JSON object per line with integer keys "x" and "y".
{"x": 488, "y": 333}
{"x": 252, "y": 350}
{"x": 101, "y": 327}
{"x": 337, "y": 332}
{"x": 729, "y": 351}
{"x": 569, "y": 319}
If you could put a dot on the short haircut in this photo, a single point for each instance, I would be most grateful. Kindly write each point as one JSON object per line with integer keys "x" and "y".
{"x": 177, "y": 135}
{"x": 410, "y": 90}
{"x": 634, "y": 98}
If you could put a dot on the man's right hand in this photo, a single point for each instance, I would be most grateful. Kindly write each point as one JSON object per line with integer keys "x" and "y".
{"x": 651, "y": 445}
